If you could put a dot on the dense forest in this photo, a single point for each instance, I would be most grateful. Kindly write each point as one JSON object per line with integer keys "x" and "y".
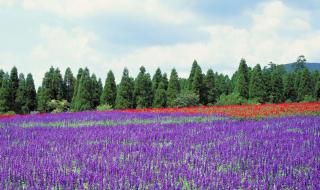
{"x": 271, "y": 84}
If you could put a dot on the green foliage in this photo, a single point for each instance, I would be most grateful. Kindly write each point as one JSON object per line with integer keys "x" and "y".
{"x": 104, "y": 107}
{"x": 276, "y": 85}
{"x": 256, "y": 86}
{"x": 57, "y": 106}
{"x": 83, "y": 99}
{"x": 13, "y": 88}
{"x": 156, "y": 79}
{"x": 21, "y": 95}
{"x": 31, "y": 95}
{"x": 125, "y": 92}
{"x": 305, "y": 88}
{"x": 143, "y": 89}
{"x": 160, "y": 98}
{"x": 173, "y": 88}
{"x": 300, "y": 64}
{"x": 96, "y": 91}
{"x": 309, "y": 98}
{"x": 76, "y": 86}
{"x": 109, "y": 93}
{"x": 242, "y": 84}
{"x": 289, "y": 90}
{"x": 210, "y": 87}
{"x": 197, "y": 85}
{"x": 186, "y": 99}
{"x": 231, "y": 99}
{"x": 317, "y": 90}
{"x": 68, "y": 84}
{"x": 5, "y": 94}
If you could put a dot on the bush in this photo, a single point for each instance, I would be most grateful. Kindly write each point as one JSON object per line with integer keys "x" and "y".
{"x": 231, "y": 99}
{"x": 57, "y": 106}
{"x": 309, "y": 98}
{"x": 104, "y": 107}
{"x": 186, "y": 99}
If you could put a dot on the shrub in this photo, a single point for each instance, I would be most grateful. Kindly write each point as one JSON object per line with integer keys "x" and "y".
{"x": 104, "y": 107}
{"x": 57, "y": 106}
{"x": 231, "y": 99}
{"x": 309, "y": 98}
{"x": 186, "y": 99}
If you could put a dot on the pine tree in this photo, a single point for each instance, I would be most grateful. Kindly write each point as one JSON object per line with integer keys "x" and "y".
{"x": 96, "y": 90}
{"x": 276, "y": 84}
{"x": 1, "y": 76}
{"x": 42, "y": 100}
{"x": 242, "y": 84}
{"x": 5, "y": 96}
{"x": 156, "y": 79}
{"x": 143, "y": 89}
{"x": 109, "y": 93}
{"x": 160, "y": 98}
{"x": 300, "y": 64}
{"x": 75, "y": 90}
{"x": 317, "y": 90}
{"x": 21, "y": 95}
{"x": 173, "y": 88}
{"x": 31, "y": 95}
{"x": 125, "y": 92}
{"x": 256, "y": 86}
{"x": 305, "y": 88}
{"x": 194, "y": 67}
{"x": 14, "y": 85}
{"x": 197, "y": 86}
{"x": 289, "y": 90}
{"x": 210, "y": 86}
{"x": 68, "y": 85}
{"x": 83, "y": 100}
{"x": 165, "y": 80}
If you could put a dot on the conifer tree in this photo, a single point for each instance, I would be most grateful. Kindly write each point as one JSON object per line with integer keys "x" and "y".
{"x": 109, "y": 93}
{"x": 305, "y": 88}
{"x": 75, "y": 89}
{"x": 156, "y": 79}
{"x": 165, "y": 80}
{"x": 68, "y": 85}
{"x": 210, "y": 87}
{"x": 289, "y": 90}
{"x": 21, "y": 95}
{"x": 197, "y": 86}
{"x": 317, "y": 90}
{"x": 31, "y": 95}
{"x": 14, "y": 85}
{"x": 125, "y": 92}
{"x": 1, "y": 76}
{"x": 5, "y": 96}
{"x": 143, "y": 89}
{"x": 194, "y": 67}
{"x": 173, "y": 88}
{"x": 83, "y": 100}
{"x": 242, "y": 84}
{"x": 160, "y": 98}
{"x": 96, "y": 91}
{"x": 256, "y": 86}
{"x": 42, "y": 100}
{"x": 276, "y": 84}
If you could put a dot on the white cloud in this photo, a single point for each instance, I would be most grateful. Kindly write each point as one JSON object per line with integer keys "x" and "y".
{"x": 82, "y": 8}
{"x": 7, "y": 2}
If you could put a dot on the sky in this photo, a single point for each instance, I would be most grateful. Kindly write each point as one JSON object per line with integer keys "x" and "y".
{"x": 113, "y": 34}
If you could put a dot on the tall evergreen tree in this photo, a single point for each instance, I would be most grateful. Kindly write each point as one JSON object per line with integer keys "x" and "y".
{"x": 317, "y": 90}
{"x": 109, "y": 93}
{"x": 143, "y": 89}
{"x": 276, "y": 84}
{"x": 21, "y": 95}
{"x": 68, "y": 84}
{"x": 173, "y": 88}
{"x": 125, "y": 92}
{"x": 96, "y": 90}
{"x": 42, "y": 100}
{"x": 305, "y": 88}
{"x": 197, "y": 86}
{"x": 14, "y": 85}
{"x": 289, "y": 90}
{"x": 75, "y": 90}
{"x": 83, "y": 100}
{"x": 31, "y": 95}
{"x": 160, "y": 98}
{"x": 5, "y": 96}
{"x": 1, "y": 76}
{"x": 156, "y": 79}
{"x": 256, "y": 86}
{"x": 210, "y": 87}
{"x": 300, "y": 64}
{"x": 242, "y": 84}
{"x": 165, "y": 80}
{"x": 194, "y": 67}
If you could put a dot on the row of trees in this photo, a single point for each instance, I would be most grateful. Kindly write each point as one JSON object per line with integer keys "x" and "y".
{"x": 85, "y": 92}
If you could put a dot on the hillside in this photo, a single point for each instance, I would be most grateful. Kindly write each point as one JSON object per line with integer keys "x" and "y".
{"x": 310, "y": 66}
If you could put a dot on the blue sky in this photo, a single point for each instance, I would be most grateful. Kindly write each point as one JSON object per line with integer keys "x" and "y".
{"x": 113, "y": 34}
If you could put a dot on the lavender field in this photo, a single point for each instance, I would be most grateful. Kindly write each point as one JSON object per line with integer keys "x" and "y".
{"x": 117, "y": 150}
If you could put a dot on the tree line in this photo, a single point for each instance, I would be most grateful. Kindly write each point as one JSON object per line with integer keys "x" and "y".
{"x": 271, "y": 84}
